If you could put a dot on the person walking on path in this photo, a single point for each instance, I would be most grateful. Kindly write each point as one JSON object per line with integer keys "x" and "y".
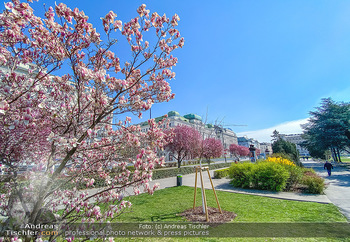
{"x": 329, "y": 167}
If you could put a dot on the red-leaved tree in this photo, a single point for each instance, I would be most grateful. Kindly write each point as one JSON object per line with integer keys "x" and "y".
{"x": 71, "y": 124}
{"x": 185, "y": 143}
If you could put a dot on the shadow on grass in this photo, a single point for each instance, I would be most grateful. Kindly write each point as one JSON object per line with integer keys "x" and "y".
{"x": 163, "y": 217}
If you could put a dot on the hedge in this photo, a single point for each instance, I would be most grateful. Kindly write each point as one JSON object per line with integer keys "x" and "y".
{"x": 222, "y": 173}
{"x": 183, "y": 163}
{"x": 171, "y": 172}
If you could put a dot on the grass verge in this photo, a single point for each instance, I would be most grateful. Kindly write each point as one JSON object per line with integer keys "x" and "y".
{"x": 165, "y": 204}
{"x": 345, "y": 159}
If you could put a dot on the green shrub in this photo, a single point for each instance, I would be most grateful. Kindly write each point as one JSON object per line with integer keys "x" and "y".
{"x": 261, "y": 175}
{"x": 269, "y": 176}
{"x": 218, "y": 174}
{"x": 295, "y": 176}
{"x": 275, "y": 177}
{"x": 309, "y": 171}
{"x": 314, "y": 183}
{"x": 241, "y": 174}
{"x": 172, "y": 172}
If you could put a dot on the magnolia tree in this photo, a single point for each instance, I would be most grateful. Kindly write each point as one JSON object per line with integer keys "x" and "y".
{"x": 212, "y": 148}
{"x": 185, "y": 143}
{"x": 67, "y": 127}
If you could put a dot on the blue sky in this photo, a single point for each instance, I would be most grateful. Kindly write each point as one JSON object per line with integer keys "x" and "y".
{"x": 257, "y": 63}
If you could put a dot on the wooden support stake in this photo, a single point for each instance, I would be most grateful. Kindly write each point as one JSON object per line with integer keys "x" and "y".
{"x": 195, "y": 189}
{"x": 204, "y": 198}
{"x": 203, "y": 191}
{"x": 212, "y": 185}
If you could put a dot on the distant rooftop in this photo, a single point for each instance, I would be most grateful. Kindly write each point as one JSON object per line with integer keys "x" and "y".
{"x": 186, "y": 118}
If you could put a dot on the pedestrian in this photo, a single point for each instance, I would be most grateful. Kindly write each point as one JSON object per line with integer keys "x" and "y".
{"x": 329, "y": 167}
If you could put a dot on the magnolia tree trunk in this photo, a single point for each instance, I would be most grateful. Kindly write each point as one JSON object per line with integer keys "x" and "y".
{"x": 67, "y": 129}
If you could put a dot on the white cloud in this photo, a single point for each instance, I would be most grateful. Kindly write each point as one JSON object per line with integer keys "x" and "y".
{"x": 264, "y": 135}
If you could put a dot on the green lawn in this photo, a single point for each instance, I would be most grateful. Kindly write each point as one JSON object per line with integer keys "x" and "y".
{"x": 165, "y": 204}
{"x": 345, "y": 159}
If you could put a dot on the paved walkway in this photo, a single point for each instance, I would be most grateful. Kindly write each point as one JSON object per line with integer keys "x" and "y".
{"x": 338, "y": 184}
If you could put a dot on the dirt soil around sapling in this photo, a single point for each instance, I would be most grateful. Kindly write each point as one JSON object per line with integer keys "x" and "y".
{"x": 197, "y": 215}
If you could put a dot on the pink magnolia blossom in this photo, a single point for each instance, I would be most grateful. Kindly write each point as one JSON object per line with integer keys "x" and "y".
{"x": 65, "y": 126}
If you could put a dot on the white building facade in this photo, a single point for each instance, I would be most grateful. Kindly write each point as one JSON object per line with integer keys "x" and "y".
{"x": 297, "y": 140}
{"x": 226, "y": 136}
{"x": 247, "y": 142}
{"x": 266, "y": 148}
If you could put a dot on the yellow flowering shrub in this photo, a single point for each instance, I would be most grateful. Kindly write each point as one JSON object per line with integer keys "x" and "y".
{"x": 280, "y": 160}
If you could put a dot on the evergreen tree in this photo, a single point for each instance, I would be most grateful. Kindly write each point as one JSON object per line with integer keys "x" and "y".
{"x": 287, "y": 148}
{"x": 275, "y": 135}
{"x": 328, "y": 129}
